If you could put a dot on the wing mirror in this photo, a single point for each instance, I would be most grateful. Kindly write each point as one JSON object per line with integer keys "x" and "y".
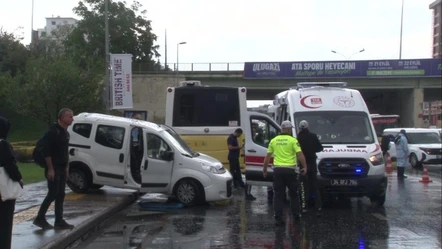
{"x": 167, "y": 155}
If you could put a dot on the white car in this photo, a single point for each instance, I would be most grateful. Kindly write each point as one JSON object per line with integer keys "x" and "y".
{"x": 425, "y": 145}
{"x": 135, "y": 154}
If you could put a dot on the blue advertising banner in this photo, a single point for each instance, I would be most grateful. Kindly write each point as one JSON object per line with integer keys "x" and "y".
{"x": 343, "y": 69}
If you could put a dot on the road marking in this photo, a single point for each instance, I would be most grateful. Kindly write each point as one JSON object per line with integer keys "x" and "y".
{"x": 379, "y": 216}
{"x": 30, "y": 213}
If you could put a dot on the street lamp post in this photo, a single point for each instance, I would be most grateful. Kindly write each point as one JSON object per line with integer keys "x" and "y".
{"x": 178, "y": 57}
{"x": 107, "y": 95}
{"x": 360, "y": 51}
{"x": 400, "y": 39}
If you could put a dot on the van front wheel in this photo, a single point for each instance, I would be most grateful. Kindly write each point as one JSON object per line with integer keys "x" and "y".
{"x": 78, "y": 181}
{"x": 188, "y": 192}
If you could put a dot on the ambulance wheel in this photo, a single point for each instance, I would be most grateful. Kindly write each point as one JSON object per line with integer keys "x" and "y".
{"x": 188, "y": 192}
{"x": 78, "y": 181}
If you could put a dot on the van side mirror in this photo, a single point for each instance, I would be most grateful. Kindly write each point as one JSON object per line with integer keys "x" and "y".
{"x": 167, "y": 155}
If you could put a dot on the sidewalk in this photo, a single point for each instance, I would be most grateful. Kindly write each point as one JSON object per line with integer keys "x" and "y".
{"x": 84, "y": 211}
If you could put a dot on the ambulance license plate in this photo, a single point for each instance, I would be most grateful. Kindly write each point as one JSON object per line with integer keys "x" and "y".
{"x": 344, "y": 182}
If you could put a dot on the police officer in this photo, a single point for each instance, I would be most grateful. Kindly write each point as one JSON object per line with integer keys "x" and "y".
{"x": 287, "y": 152}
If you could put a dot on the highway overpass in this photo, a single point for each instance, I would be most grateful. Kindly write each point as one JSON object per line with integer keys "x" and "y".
{"x": 389, "y": 86}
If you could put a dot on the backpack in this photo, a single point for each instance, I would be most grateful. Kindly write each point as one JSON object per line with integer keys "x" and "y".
{"x": 37, "y": 154}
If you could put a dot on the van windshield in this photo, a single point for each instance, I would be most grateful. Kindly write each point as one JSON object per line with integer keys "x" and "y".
{"x": 338, "y": 127}
{"x": 423, "y": 138}
{"x": 177, "y": 142}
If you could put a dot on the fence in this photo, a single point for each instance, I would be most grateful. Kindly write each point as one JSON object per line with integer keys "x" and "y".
{"x": 140, "y": 68}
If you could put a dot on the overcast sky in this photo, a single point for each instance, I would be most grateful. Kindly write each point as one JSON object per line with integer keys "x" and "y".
{"x": 257, "y": 30}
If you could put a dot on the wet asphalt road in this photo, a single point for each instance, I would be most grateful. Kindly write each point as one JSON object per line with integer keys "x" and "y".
{"x": 410, "y": 218}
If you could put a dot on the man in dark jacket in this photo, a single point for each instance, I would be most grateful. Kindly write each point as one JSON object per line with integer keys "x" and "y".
{"x": 57, "y": 170}
{"x": 7, "y": 160}
{"x": 310, "y": 145}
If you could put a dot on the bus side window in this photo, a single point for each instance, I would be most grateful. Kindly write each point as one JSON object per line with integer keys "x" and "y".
{"x": 187, "y": 109}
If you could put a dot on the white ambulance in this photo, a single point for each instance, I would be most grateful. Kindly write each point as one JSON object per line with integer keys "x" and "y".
{"x": 135, "y": 154}
{"x": 351, "y": 163}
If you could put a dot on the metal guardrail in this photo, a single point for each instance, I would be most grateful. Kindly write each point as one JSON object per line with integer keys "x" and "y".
{"x": 190, "y": 67}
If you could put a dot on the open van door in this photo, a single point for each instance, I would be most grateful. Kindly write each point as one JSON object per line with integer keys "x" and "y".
{"x": 157, "y": 167}
{"x": 263, "y": 130}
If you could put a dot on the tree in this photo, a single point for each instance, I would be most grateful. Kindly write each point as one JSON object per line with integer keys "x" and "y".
{"x": 129, "y": 32}
{"x": 13, "y": 54}
{"x": 56, "y": 81}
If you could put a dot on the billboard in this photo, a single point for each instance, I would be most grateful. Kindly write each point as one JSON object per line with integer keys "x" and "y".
{"x": 344, "y": 69}
{"x": 121, "y": 81}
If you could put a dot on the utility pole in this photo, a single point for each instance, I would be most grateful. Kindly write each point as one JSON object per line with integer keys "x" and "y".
{"x": 165, "y": 50}
{"x": 107, "y": 95}
{"x": 32, "y": 27}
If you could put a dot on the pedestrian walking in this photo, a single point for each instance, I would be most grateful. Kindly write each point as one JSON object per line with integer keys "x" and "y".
{"x": 56, "y": 171}
{"x": 286, "y": 152}
{"x": 310, "y": 145}
{"x": 402, "y": 153}
{"x": 8, "y": 162}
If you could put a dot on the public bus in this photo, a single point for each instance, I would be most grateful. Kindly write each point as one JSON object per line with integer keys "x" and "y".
{"x": 382, "y": 122}
{"x": 205, "y": 116}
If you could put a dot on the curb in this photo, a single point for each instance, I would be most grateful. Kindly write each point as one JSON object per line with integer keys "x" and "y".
{"x": 65, "y": 240}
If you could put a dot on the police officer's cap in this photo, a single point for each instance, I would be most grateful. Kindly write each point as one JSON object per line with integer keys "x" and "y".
{"x": 286, "y": 124}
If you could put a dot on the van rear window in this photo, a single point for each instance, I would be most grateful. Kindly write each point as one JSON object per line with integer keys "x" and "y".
{"x": 206, "y": 106}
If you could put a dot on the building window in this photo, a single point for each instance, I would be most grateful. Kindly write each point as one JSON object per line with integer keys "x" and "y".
{"x": 53, "y": 22}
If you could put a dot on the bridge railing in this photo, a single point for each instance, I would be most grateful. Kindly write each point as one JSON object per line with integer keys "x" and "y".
{"x": 141, "y": 68}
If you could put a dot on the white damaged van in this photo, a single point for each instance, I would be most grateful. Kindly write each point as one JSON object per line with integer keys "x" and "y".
{"x": 351, "y": 163}
{"x": 135, "y": 154}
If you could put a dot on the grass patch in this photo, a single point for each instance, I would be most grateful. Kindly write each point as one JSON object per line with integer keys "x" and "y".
{"x": 31, "y": 172}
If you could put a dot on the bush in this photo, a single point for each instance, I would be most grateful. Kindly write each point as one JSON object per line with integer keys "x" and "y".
{"x": 23, "y": 143}
{"x": 24, "y": 153}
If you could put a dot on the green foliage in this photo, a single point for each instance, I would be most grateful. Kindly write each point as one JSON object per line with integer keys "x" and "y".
{"x": 129, "y": 31}
{"x": 54, "y": 82}
{"x": 13, "y": 54}
{"x": 67, "y": 68}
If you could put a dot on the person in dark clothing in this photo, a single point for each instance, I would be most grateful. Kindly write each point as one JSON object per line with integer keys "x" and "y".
{"x": 7, "y": 160}
{"x": 57, "y": 170}
{"x": 233, "y": 157}
{"x": 385, "y": 143}
{"x": 310, "y": 145}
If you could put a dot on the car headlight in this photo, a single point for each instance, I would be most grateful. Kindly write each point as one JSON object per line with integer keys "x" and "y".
{"x": 216, "y": 168}
{"x": 426, "y": 150}
{"x": 377, "y": 159}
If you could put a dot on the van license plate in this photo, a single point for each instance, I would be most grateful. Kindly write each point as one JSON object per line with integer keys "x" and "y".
{"x": 344, "y": 182}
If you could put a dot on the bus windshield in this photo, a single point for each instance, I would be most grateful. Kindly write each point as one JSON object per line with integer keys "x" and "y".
{"x": 338, "y": 127}
{"x": 382, "y": 122}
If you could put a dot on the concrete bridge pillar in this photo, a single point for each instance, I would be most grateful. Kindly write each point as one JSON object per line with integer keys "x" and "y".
{"x": 416, "y": 109}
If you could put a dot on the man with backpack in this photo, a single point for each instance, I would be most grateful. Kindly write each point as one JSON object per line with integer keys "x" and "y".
{"x": 54, "y": 148}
